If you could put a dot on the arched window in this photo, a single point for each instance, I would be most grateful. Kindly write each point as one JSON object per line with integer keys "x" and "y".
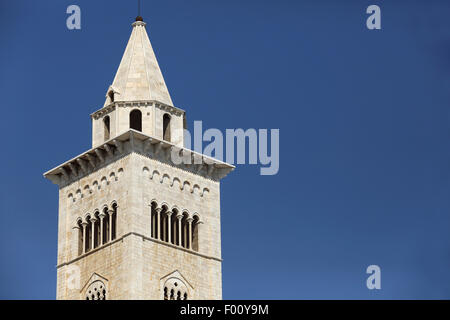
{"x": 105, "y": 225}
{"x": 114, "y": 222}
{"x": 166, "y": 127}
{"x": 154, "y": 221}
{"x": 106, "y": 128}
{"x": 88, "y": 240}
{"x": 174, "y": 227}
{"x": 175, "y": 289}
{"x": 184, "y": 231}
{"x": 111, "y": 96}
{"x": 96, "y": 233}
{"x": 136, "y": 120}
{"x": 164, "y": 224}
{"x": 80, "y": 237}
{"x": 195, "y": 226}
{"x": 96, "y": 291}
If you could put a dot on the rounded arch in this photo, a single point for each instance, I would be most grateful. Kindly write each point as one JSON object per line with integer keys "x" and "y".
{"x": 166, "y": 127}
{"x": 104, "y": 181}
{"x": 156, "y": 174}
{"x": 110, "y": 95}
{"x": 164, "y": 205}
{"x": 176, "y": 180}
{"x": 96, "y": 291}
{"x": 196, "y": 215}
{"x": 195, "y": 231}
{"x": 153, "y": 219}
{"x": 106, "y": 127}
{"x": 175, "y": 209}
{"x": 205, "y": 191}
{"x": 136, "y": 120}
{"x": 87, "y": 241}
{"x": 113, "y": 220}
{"x": 184, "y": 229}
{"x": 87, "y": 216}
{"x": 165, "y": 178}
{"x": 195, "y": 189}
{"x": 175, "y": 289}
{"x": 79, "y": 226}
{"x": 186, "y": 183}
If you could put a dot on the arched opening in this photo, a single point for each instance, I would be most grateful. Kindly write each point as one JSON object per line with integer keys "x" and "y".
{"x": 164, "y": 224}
{"x": 106, "y": 225}
{"x": 136, "y": 120}
{"x": 80, "y": 237}
{"x": 96, "y": 233}
{"x": 154, "y": 221}
{"x": 111, "y": 96}
{"x": 106, "y": 128}
{"x": 184, "y": 231}
{"x": 195, "y": 225}
{"x": 166, "y": 127}
{"x": 175, "y": 289}
{"x": 114, "y": 222}
{"x": 174, "y": 226}
{"x": 96, "y": 291}
{"x": 88, "y": 240}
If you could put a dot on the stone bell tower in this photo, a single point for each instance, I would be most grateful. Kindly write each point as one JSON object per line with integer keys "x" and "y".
{"x": 139, "y": 214}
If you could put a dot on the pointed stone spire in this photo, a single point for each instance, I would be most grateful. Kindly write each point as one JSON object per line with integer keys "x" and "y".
{"x": 139, "y": 76}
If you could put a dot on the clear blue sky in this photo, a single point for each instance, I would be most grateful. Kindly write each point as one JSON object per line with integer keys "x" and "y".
{"x": 364, "y": 135}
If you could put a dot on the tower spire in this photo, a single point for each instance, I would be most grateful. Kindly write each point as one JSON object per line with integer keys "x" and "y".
{"x": 139, "y": 77}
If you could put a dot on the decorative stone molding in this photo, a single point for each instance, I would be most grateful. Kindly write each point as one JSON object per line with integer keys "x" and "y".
{"x": 175, "y": 181}
{"x": 132, "y": 104}
{"x": 96, "y": 288}
{"x": 89, "y": 189}
{"x": 160, "y": 205}
{"x": 134, "y": 141}
{"x": 104, "y": 111}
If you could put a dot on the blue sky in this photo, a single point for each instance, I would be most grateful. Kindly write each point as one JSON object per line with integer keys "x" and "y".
{"x": 364, "y": 135}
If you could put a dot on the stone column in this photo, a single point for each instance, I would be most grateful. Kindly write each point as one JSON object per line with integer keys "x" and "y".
{"x": 93, "y": 220}
{"x": 169, "y": 226}
{"x": 110, "y": 213}
{"x": 102, "y": 240}
{"x": 179, "y": 217}
{"x": 158, "y": 223}
{"x": 84, "y": 224}
{"x": 189, "y": 233}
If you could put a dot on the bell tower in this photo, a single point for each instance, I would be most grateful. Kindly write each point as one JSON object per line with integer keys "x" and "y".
{"x": 135, "y": 222}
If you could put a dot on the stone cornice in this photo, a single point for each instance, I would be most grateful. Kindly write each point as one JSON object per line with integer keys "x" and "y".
{"x": 145, "y": 238}
{"x": 130, "y": 104}
{"x": 134, "y": 141}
